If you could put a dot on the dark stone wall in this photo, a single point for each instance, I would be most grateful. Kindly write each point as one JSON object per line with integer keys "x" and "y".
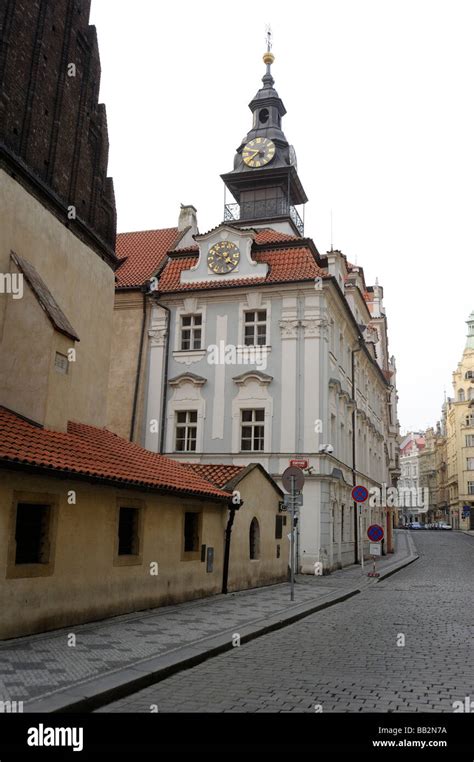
{"x": 51, "y": 123}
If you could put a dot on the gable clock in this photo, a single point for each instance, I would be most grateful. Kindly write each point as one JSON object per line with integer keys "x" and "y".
{"x": 223, "y": 257}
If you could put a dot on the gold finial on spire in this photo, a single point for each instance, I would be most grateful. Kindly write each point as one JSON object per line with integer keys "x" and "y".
{"x": 268, "y": 57}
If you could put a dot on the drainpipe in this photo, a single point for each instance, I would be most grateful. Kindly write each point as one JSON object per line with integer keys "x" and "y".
{"x": 164, "y": 395}
{"x": 356, "y": 506}
{"x": 233, "y": 507}
{"x": 139, "y": 366}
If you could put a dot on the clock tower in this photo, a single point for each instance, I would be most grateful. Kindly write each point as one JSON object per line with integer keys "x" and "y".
{"x": 264, "y": 181}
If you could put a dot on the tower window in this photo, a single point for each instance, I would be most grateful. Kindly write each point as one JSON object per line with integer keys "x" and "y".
{"x": 264, "y": 115}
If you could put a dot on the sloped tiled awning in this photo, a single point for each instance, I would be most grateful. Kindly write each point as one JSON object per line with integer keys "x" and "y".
{"x": 44, "y": 296}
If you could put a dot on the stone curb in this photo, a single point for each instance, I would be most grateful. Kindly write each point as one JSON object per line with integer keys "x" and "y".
{"x": 103, "y": 690}
{"x": 397, "y": 565}
{"x": 99, "y": 691}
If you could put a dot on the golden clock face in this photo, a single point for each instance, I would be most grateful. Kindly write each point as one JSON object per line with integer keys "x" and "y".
{"x": 258, "y": 152}
{"x": 223, "y": 257}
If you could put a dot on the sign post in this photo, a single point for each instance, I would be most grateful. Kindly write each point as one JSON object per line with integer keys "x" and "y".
{"x": 375, "y": 534}
{"x": 293, "y": 480}
{"x": 359, "y": 495}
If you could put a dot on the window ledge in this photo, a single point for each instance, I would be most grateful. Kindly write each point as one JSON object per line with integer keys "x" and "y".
{"x": 128, "y": 560}
{"x": 21, "y": 571}
{"x": 191, "y": 555}
{"x": 188, "y": 356}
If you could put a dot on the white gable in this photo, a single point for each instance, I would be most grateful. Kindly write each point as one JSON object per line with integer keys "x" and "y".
{"x": 246, "y": 267}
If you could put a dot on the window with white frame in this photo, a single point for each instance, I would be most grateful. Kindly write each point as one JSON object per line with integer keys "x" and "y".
{"x": 191, "y": 332}
{"x": 469, "y": 440}
{"x": 470, "y": 464}
{"x": 470, "y": 419}
{"x": 255, "y": 328}
{"x": 470, "y": 488}
{"x": 252, "y": 431}
{"x": 186, "y": 430}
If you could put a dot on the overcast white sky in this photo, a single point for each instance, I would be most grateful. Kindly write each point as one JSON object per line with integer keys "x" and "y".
{"x": 380, "y": 107}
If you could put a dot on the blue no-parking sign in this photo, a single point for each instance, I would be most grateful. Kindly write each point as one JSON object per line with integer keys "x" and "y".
{"x": 375, "y": 533}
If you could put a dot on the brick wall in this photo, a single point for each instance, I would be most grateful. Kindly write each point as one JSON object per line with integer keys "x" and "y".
{"x": 52, "y": 122}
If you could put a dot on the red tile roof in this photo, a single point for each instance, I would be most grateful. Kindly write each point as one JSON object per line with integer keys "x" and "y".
{"x": 218, "y": 474}
{"x": 142, "y": 252}
{"x": 285, "y": 265}
{"x": 98, "y": 454}
{"x": 268, "y": 235}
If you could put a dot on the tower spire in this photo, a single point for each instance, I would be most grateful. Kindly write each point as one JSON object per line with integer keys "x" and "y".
{"x": 268, "y": 59}
{"x": 470, "y": 331}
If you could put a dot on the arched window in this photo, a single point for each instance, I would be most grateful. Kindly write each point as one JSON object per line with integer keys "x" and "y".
{"x": 461, "y": 395}
{"x": 470, "y": 393}
{"x": 254, "y": 540}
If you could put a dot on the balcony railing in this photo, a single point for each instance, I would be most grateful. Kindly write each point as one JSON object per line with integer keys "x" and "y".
{"x": 265, "y": 209}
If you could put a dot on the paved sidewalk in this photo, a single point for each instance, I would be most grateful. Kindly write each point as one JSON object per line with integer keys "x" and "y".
{"x": 117, "y": 656}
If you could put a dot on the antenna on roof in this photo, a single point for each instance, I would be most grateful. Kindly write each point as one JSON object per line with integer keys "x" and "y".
{"x": 331, "y": 230}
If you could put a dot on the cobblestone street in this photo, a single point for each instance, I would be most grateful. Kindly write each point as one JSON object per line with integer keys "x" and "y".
{"x": 346, "y": 658}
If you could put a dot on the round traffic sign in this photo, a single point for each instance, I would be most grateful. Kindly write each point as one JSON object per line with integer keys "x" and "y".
{"x": 360, "y": 493}
{"x": 375, "y": 533}
{"x": 298, "y": 478}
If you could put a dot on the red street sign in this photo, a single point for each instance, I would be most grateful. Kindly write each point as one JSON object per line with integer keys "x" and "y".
{"x": 299, "y": 462}
{"x": 360, "y": 493}
{"x": 375, "y": 533}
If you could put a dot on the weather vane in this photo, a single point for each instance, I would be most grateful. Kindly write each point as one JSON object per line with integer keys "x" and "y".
{"x": 268, "y": 37}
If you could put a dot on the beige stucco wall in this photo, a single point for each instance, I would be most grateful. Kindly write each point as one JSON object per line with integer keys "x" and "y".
{"x": 83, "y": 285}
{"x": 85, "y": 584}
{"x": 127, "y": 326}
{"x": 260, "y": 501}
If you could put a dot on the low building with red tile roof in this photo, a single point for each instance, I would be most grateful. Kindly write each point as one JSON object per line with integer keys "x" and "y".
{"x": 93, "y": 525}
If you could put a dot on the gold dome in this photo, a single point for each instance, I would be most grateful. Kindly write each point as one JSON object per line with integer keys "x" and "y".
{"x": 268, "y": 58}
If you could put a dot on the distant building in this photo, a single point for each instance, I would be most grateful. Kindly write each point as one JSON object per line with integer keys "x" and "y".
{"x": 428, "y": 476}
{"x": 459, "y": 422}
{"x": 411, "y": 496}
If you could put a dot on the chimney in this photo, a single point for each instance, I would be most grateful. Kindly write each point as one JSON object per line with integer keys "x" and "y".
{"x": 188, "y": 219}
